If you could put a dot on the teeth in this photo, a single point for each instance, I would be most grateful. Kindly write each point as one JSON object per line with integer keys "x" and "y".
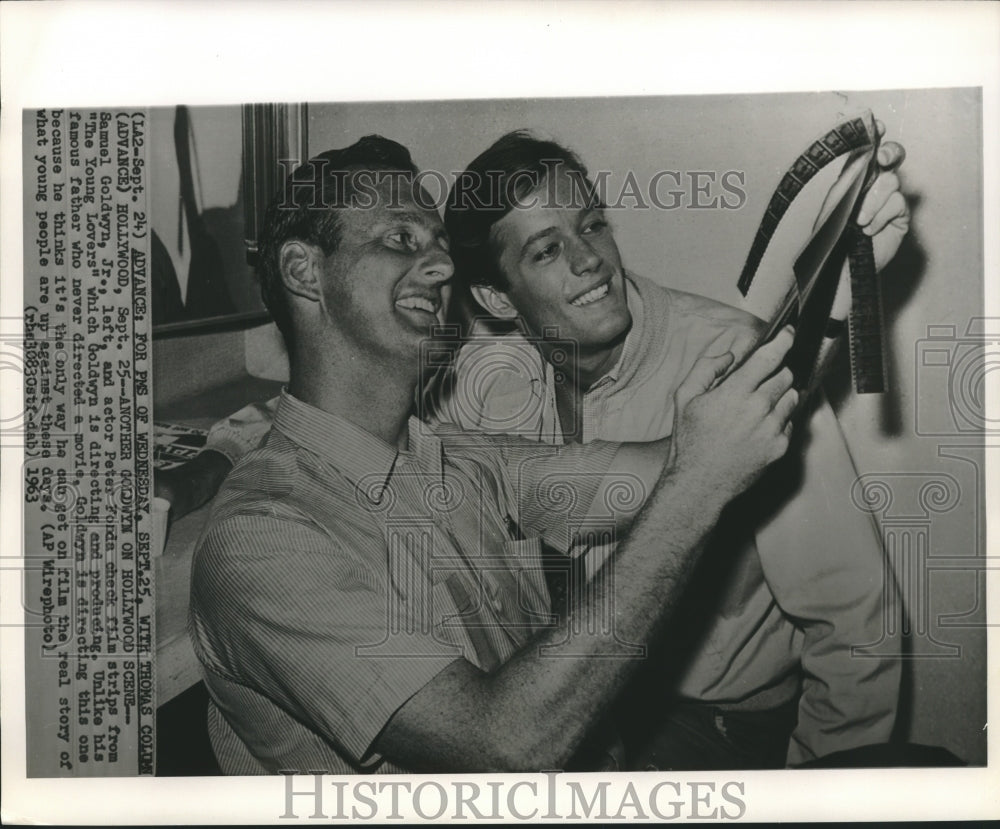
{"x": 417, "y": 303}
{"x": 599, "y": 292}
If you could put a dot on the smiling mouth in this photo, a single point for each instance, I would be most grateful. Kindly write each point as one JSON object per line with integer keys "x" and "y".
{"x": 592, "y": 295}
{"x": 419, "y": 303}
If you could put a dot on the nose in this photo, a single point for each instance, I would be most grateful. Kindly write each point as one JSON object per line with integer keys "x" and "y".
{"x": 583, "y": 258}
{"x": 436, "y": 265}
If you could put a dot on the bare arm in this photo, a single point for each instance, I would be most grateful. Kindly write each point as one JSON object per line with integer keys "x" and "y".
{"x": 194, "y": 483}
{"x": 534, "y": 712}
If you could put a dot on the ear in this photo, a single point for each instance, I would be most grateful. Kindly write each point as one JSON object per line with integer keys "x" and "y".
{"x": 300, "y": 269}
{"x": 495, "y": 302}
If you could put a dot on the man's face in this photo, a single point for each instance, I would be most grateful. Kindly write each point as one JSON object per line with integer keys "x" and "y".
{"x": 563, "y": 267}
{"x": 386, "y": 284}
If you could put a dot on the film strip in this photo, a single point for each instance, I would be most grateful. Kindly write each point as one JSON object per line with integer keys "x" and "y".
{"x": 866, "y": 342}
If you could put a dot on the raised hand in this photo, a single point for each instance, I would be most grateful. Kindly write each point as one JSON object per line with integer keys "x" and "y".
{"x": 727, "y": 432}
{"x": 884, "y": 215}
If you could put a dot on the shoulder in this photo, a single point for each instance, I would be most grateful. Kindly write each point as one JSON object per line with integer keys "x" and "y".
{"x": 509, "y": 354}
{"x": 689, "y": 316}
{"x": 492, "y": 384}
{"x": 259, "y": 477}
{"x": 678, "y": 328}
{"x": 250, "y": 538}
{"x": 701, "y": 309}
{"x": 258, "y": 560}
{"x": 274, "y": 505}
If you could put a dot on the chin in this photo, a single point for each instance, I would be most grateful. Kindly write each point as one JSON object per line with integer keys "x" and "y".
{"x": 611, "y": 329}
{"x": 620, "y": 321}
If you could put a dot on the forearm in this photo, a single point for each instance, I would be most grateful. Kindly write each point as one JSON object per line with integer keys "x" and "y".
{"x": 534, "y": 711}
{"x": 540, "y": 706}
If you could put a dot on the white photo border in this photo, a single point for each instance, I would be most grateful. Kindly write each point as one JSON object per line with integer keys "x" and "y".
{"x": 117, "y": 53}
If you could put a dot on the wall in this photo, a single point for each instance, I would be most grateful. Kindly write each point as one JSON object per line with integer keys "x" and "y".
{"x": 936, "y": 280}
{"x": 185, "y": 366}
{"x": 217, "y": 173}
{"x": 223, "y": 282}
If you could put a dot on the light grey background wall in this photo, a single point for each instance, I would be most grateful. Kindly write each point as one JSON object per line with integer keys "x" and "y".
{"x": 934, "y": 515}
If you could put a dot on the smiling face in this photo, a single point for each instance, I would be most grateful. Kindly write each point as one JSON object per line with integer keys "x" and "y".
{"x": 563, "y": 268}
{"x": 386, "y": 284}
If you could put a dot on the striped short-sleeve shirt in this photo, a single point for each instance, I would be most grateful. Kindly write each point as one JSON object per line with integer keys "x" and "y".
{"x": 339, "y": 575}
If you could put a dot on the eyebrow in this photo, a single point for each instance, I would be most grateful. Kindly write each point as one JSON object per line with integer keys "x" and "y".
{"x": 406, "y": 216}
{"x": 394, "y": 217}
{"x": 440, "y": 232}
{"x": 538, "y": 234}
{"x": 534, "y": 237}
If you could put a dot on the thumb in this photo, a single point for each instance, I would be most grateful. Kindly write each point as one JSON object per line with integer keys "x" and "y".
{"x": 890, "y": 155}
{"x": 703, "y": 375}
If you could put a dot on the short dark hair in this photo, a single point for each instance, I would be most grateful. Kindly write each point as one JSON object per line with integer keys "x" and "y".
{"x": 306, "y": 209}
{"x": 513, "y": 167}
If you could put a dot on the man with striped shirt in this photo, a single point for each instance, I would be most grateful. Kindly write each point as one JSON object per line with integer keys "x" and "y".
{"x": 368, "y": 595}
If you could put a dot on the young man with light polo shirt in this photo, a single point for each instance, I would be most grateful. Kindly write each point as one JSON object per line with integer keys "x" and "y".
{"x": 801, "y": 593}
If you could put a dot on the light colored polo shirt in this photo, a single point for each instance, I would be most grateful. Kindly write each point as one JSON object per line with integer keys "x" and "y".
{"x": 808, "y": 586}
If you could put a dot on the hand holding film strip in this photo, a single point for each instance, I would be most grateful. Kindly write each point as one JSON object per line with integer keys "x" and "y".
{"x": 859, "y": 229}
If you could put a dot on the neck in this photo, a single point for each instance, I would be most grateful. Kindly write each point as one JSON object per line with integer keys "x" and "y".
{"x": 588, "y": 366}
{"x": 579, "y": 375}
{"x": 592, "y": 366}
{"x": 356, "y": 386}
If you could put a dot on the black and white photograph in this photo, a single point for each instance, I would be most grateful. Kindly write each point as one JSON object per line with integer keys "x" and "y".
{"x": 629, "y": 448}
{"x": 796, "y": 640}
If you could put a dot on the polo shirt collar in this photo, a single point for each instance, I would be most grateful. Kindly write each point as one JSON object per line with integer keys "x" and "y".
{"x": 358, "y": 455}
{"x": 627, "y": 361}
